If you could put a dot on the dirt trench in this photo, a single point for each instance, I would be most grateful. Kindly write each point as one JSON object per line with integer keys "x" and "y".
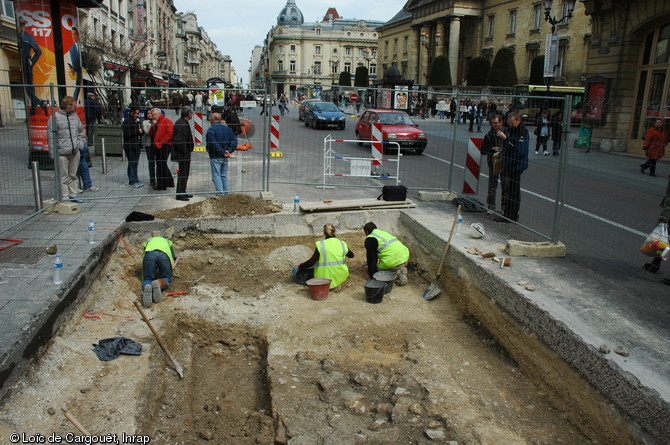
{"x": 264, "y": 363}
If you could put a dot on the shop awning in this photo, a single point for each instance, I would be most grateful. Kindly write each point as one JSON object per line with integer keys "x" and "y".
{"x": 139, "y": 75}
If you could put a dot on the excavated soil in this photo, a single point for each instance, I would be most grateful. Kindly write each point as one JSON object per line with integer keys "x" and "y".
{"x": 229, "y": 205}
{"x": 264, "y": 363}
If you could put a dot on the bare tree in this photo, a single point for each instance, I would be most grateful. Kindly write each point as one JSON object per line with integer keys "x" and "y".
{"x": 96, "y": 52}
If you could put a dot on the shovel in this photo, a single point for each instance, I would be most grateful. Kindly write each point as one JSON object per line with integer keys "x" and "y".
{"x": 434, "y": 290}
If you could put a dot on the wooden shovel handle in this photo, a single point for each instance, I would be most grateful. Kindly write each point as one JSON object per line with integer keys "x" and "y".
{"x": 446, "y": 249}
{"x": 158, "y": 339}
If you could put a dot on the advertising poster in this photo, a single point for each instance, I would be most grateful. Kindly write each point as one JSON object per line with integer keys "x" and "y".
{"x": 50, "y": 54}
{"x": 401, "y": 97}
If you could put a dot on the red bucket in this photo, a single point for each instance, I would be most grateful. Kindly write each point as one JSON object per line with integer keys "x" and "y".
{"x": 318, "y": 288}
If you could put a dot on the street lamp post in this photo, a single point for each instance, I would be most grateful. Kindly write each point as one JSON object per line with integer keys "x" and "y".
{"x": 553, "y": 21}
{"x": 428, "y": 44}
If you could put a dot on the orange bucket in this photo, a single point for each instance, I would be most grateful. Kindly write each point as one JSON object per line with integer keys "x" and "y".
{"x": 318, "y": 288}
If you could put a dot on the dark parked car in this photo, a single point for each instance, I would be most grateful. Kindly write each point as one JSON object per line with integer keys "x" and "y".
{"x": 324, "y": 114}
{"x": 303, "y": 107}
{"x": 397, "y": 126}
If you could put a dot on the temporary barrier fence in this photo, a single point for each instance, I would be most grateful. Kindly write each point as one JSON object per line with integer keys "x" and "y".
{"x": 558, "y": 192}
{"x": 360, "y": 167}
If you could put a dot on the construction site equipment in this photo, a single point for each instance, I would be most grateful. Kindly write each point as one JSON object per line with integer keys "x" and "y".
{"x": 434, "y": 289}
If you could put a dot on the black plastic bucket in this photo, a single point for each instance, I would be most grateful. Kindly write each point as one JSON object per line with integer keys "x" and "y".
{"x": 374, "y": 291}
{"x": 386, "y": 276}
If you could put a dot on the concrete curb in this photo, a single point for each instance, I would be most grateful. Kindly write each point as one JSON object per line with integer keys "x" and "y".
{"x": 641, "y": 404}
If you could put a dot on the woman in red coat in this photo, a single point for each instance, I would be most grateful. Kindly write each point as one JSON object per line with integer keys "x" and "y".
{"x": 654, "y": 145}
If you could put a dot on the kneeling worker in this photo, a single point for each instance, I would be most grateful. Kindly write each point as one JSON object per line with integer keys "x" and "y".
{"x": 385, "y": 252}
{"x": 328, "y": 259}
{"x": 157, "y": 266}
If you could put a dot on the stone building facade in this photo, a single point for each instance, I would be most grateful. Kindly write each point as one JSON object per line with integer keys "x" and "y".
{"x": 310, "y": 55}
{"x": 463, "y": 29}
{"x": 629, "y": 56}
{"x": 618, "y": 50}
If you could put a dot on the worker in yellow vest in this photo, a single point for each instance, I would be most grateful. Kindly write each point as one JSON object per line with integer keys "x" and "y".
{"x": 157, "y": 264}
{"x": 328, "y": 259}
{"x": 385, "y": 252}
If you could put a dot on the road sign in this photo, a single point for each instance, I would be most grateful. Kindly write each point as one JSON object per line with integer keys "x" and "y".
{"x": 354, "y": 97}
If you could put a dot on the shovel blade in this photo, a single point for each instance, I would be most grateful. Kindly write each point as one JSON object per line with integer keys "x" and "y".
{"x": 432, "y": 291}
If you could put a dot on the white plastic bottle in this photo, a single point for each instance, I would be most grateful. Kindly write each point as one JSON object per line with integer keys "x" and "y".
{"x": 58, "y": 267}
{"x": 296, "y": 203}
{"x": 91, "y": 232}
{"x": 459, "y": 223}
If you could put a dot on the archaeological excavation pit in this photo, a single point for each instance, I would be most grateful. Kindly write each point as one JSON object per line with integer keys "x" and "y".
{"x": 264, "y": 363}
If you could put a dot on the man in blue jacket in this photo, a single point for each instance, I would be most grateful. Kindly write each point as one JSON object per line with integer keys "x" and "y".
{"x": 221, "y": 142}
{"x": 515, "y": 161}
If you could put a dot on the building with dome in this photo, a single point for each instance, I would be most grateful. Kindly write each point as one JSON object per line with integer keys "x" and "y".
{"x": 302, "y": 57}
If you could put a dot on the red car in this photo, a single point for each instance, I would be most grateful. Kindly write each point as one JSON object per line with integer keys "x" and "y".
{"x": 397, "y": 126}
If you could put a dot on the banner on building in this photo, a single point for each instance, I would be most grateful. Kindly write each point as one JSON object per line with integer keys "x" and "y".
{"x": 50, "y": 54}
{"x": 550, "y": 55}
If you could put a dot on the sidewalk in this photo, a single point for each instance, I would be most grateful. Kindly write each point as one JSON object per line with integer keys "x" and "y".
{"x": 572, "y": 311}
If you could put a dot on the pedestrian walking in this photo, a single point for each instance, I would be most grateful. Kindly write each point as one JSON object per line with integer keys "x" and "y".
{"x": 654, "y": 146}
{"x": 149, "y": 148}
{"x": 161, "y": 139}
{"x": 542, "y": 133}
{"x": 556, "y": 126}
{"x": 655, "y": 264}
{"x": 66, "y": 137}
{"x": 221, "y": 142}
{"x": 182, "y": 146}
{"x": 492, "y": 147}
{"x": 515, "y": 162}
{"x": 132, "y": 132}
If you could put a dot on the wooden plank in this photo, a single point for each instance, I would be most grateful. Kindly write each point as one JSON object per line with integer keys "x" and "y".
{"x": 354, "y": 204}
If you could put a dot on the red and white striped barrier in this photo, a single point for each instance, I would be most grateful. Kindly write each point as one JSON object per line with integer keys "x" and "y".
{"x": 197, "y": 128}
{"x": 377, "y": 139}
{"x": 274, "y": 138}
{"x": 472, "y": 166}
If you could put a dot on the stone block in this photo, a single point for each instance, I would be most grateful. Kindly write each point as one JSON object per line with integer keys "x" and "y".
{"x": 425, "y": 195}
{"x": 267, "y": 196}
{"x": 67, "y": 208}
{"x": 543, "y": 249}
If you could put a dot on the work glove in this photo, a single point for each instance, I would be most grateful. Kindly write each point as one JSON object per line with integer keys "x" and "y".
{"x": 294, "y": 271}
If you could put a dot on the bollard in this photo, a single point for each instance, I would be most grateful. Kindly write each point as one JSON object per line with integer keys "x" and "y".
{"x": 104, "y": 157}
{"x": 37, "y": 186}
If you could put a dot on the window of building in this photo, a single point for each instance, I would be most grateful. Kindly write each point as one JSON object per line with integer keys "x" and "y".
{"x": 403, "y": 68}
{"x": 361, "y": 52}
{"x": 653, "y": 85}
{"x": 281, "y": 49}
{"x": 347, "y": 51}
{"x": 405, "y": 46}
{"x": 280, "y": 65}
{"x": 347, "y": 67}
{"x": 512, "y": 22}
{"x": 292, "y": 49}
{"x": 564, "y": 12}
{"x": 334, "y": 50}
{"x": 8, "y": 8}
{"x": 560, "y": 61}
{"x": 318, "y": 31}
{"x": 317, "y": 50}
{"x": 291, "y": 66}
{"x": 373, "y": 69}
{"x": 395, "y": 47}
{"x": 386, "y": 48}
{"x": 531, "y": 53}
{"x": 490, "y": 27}
{"x": 537, "y": 17}
{"x": 317, "y": 67}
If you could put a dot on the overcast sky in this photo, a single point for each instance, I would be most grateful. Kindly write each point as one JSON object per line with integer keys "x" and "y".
{"x": 236, "y": 27}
